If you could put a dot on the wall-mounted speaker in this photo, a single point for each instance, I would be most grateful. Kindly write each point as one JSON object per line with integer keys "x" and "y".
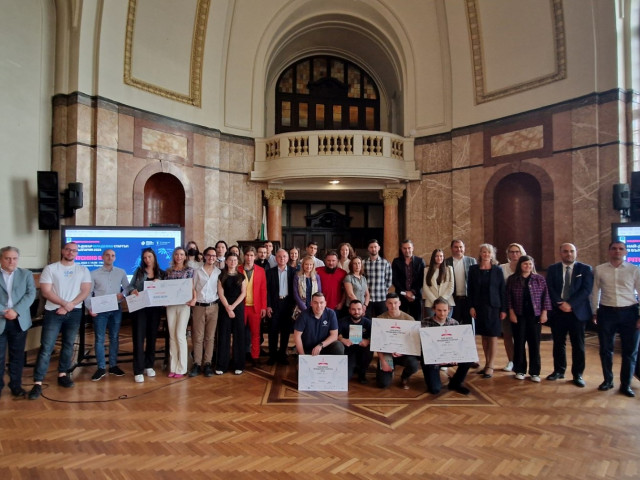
{"x": 72, "y": 198}
{"x": 621, "y": 196}
{"x": 48, "y": 201}
{"x": 634, "y": 211}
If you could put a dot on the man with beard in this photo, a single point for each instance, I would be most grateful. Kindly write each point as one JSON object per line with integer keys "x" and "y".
{"x": 354, "y": 331}
{"x": 332, "y": 279}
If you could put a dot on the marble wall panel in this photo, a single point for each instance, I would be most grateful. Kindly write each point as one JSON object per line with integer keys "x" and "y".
{"x": 612, "y": 122}
{"x": 80, "y": 128}
{"x": 107, "y": 128}
{"x": 461, "y": 204}
{"x": 584, "y": 126}
{"x": 106, "y": 187}
{"x": 517, "y": 141}
{"x": 434, "y": 157}
{"x": 223, "y": 160}
{"x": 164, "y": 142}
{"x": 125, "y": 132}
{"x": 84, "y": 172}
{"x": 609, "y": 173}
{"x": 60, "y": 121}
{"x": 585, "y": 202}
{"x": 561, "y": 125}
{"x": 438, "y": 212}
{"x": 126, "y": 175}
{"x": 211, "y": 212}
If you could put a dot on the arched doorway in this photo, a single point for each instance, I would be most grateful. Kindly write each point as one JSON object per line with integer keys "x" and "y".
{"x": 517, "y": 215}
{"x": 164, "y": 200}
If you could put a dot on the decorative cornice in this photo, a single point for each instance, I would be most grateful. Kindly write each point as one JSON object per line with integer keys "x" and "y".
{"x": 560, "y": 72}
{"x": 197, "y": 53}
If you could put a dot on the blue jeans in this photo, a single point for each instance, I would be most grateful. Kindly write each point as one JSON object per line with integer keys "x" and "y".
{"x": 52, "y": 325}
{"x": 14, "y": 338}
{"x": 101, "y": 322}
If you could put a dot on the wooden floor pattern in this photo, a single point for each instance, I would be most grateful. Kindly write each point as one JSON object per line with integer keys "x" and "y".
{"x": 259, "y": 426}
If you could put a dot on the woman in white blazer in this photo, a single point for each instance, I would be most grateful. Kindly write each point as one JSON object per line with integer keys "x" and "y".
{"x": 438, "y": 282}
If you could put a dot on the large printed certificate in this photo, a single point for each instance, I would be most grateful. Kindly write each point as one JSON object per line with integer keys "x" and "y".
{"x": 137, "y": 302}
{"x": 453, "y": 344}
{"x": 104, "y": 303}
{"x": 395, "y": 336}
{"x": 169, "y": 292}
{"x": 323, "y": 373}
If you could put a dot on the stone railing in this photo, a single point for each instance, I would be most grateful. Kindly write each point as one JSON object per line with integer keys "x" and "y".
{"x": 353, "y": 153}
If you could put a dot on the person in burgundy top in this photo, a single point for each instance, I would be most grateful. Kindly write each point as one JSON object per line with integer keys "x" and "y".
{"x": 528, "y": 300}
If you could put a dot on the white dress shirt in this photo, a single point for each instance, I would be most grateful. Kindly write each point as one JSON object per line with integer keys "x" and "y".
{"x": 615, "y": 286}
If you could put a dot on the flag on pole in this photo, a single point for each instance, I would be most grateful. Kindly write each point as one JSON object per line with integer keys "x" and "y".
{"x": 263, "y": 227}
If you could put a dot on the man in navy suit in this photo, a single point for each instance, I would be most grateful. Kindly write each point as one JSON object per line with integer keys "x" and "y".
{"x": 570, "y": 284}
{"x": 280, "y": 304}
{"x": 17, "y": 292}
{"x": 407, "y": 272}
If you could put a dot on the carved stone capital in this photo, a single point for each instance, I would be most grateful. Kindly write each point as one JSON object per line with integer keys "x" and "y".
{"x": 391, "y": 196}
{"x": 274, "y": 197}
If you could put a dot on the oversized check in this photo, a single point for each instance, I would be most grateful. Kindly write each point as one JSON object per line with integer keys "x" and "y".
{"x": 169, "y": 292}
{"x": 104, "y": 303}
{"x": 452, "y": 344}
{"x": 137, "y": 302}
{"x": 395, "y": 336}
{"x": 323, "y": 373}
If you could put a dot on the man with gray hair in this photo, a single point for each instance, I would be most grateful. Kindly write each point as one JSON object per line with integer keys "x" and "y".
{"x": 17, "y": 292}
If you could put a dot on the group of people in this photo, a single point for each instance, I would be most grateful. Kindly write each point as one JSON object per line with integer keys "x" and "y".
{"x": 235, "y": 299}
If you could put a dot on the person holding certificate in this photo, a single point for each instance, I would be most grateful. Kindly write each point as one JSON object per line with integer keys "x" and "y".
{"x": 178, "y": 316}
{"x": 529, "y": 300}
{"x": 387, "y": 361}
{"x": 146, "y": 320}
{"x": 488, "y": 303}
{"x": 107, "y": 280}
{"x": 232, "y": 290}
{"x": 316, "y": 329}
{"x": 432, "y": 372}
{"x": 354, "y": 331}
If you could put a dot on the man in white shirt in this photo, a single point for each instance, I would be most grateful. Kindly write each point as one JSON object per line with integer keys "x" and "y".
{"x": 205, "y": 314}
{"x": 614, "y": 300}
{"x": 65, "y": 285}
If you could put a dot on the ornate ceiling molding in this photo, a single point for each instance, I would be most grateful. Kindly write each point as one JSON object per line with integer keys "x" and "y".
{"x": 475, "y": 33}
{"x": 197, "y": 53}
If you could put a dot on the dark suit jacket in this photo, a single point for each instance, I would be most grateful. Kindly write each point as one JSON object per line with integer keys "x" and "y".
{"x": 467, "y": 262}
{"x": 399, "y": 277}
{"x": 273, "y": 287}
{"x": 23, "y": 295}
{"x": 497, "y": 291}
{"x": 581, "y": 286}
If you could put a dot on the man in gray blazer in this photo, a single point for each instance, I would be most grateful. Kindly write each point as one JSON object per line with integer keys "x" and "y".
{"x": 460, "y": 264}
{"x": 17, "y": 293}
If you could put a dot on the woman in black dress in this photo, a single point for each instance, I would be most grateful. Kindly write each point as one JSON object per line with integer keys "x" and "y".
{"x": 488, "y": 302}
{"x": 232, "y": 289}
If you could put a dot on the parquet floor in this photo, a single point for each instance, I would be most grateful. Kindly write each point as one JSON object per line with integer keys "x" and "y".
{"x": 259, "y": 426}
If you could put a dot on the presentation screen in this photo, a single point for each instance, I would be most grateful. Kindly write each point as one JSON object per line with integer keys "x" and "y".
{"x": 127, "y": 242}
{"x": 629, "y": 234}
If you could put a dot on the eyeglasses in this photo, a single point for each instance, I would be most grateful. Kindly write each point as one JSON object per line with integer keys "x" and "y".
{"x": 209, "y": 256}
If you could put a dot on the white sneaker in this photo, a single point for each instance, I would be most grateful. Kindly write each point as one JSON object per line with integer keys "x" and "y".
{"x": 535, "y": 378}
{"x": 238, "y": 372}
{"x": 150, "y": 372}
{"x": 138, "y": 378}
{"x": 219, "y": 372}
{"x": 508, "y": 367}
{"x": 519, "y": 376}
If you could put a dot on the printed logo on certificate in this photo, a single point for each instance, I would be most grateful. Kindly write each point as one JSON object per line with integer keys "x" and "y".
{"x": 395, "y": 336}
{"x": 322, "y": 373}
{"x": 452, "y": 344}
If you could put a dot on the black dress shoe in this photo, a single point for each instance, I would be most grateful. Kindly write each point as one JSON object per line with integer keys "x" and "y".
{"x": 578, "y": 381}
{"x": 627, "y": 391}
{"x": 604, "y": 386}
{"x": 555, "y": 376}
{"x": 18, "y": 392}
{"x": 271, "y": 361}
{"x": 35, "y": 392}
{"x": 459, "y": 388}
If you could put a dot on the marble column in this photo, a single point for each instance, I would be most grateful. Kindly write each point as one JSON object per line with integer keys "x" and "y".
{"x": 391, "y": 241}
{"x": 274, "y": 213}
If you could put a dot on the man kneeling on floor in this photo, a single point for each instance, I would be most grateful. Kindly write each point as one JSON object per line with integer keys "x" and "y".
{"x": 316, "y": 329}
{"x": 432, "y": 372}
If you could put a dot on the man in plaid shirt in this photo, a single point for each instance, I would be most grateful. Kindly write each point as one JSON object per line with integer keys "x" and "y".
{"x": 378, "y": 273}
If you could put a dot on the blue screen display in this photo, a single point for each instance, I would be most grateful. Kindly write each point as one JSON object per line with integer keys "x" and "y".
{"x": 127, "y": 242}
{"x": 629, "y": 234}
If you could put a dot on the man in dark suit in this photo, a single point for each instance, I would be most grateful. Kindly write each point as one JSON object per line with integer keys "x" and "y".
{"x": 280, "y": 303}
{"x": 17, "y": 292}
{"x": 460, "y": 264}
{"x": 570, "y": 284}
{"x": 407, "y": 272}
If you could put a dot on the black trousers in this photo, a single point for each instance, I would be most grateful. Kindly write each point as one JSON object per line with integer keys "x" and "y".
{"x": 563, "y": 323}
{"x": 280, "y": 328}
{"x": 145, "y": 328}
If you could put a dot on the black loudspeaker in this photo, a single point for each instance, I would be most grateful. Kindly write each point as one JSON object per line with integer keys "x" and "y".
{"x": 72, "y": 199}
{"x": 48, "y": 201}
{"x": 634, "y": 210}
{"x": 621, "y": 196}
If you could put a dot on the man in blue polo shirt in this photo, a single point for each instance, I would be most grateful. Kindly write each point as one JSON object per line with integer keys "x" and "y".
{"x": 316, "y": 329}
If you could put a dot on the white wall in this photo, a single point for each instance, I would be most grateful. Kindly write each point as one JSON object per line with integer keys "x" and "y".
{"x": 26, "y": 76}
